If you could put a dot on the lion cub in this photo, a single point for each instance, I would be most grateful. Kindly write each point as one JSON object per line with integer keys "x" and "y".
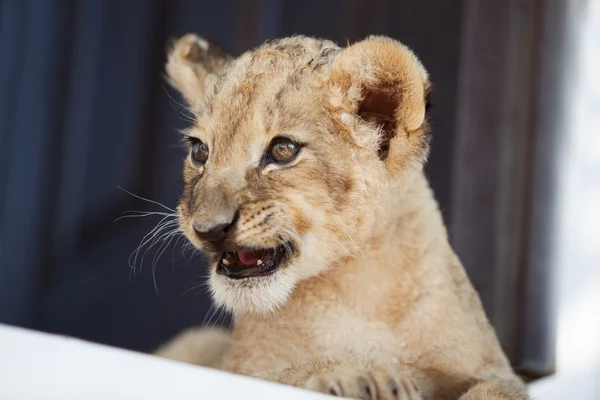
{"x": 304, "y": 183}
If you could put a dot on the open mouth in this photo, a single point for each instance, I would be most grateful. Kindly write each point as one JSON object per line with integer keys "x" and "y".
{"x": 253, "y": 263}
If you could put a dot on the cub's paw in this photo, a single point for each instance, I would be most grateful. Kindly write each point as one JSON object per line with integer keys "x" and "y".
{"x": 374, "y": 383}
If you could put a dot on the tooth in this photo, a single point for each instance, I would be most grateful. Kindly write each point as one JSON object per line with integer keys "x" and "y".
{"x": 259, "y": 263}
{"x": 226, "y": 262}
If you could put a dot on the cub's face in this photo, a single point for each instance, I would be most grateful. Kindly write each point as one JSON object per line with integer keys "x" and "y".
{"x": 292, "y": 152}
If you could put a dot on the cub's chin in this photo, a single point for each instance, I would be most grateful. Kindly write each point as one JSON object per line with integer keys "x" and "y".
{"x": 254, "y": 281}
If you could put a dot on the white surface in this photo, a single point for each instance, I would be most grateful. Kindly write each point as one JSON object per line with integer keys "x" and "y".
{"x": 40, "y": 366}
{"x": 577, "y": 250}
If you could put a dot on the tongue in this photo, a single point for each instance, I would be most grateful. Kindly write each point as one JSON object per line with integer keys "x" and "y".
{"x": 247, "y": 258}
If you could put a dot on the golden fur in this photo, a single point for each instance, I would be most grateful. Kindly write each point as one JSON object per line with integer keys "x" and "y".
{"x": 374, "y": 304}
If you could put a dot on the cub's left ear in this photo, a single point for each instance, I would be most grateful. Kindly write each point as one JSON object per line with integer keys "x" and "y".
{"x": 190, "y": 61}
{"x": 383, "y": 83}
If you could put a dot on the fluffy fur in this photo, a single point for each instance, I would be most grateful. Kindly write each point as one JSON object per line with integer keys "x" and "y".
{"x": 374, "y": 303}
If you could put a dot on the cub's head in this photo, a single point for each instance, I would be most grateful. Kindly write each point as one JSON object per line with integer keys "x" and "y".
{"x": 296, "y": 155}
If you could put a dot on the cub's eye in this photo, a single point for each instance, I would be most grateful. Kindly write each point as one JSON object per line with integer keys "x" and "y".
{"x": 283, "y": 150}
{"x": 199, "y": 152}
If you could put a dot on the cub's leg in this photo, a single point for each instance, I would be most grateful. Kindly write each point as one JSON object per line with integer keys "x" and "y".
{"x": 199, "y": 346}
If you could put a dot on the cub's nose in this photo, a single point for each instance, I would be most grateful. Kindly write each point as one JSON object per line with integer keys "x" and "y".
{"x": 215, "y": 234}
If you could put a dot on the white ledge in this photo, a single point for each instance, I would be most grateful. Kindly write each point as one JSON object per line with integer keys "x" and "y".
{"x": 35, "y": 365}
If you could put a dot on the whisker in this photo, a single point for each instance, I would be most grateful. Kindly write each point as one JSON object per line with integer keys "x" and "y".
{"x": 159, "y": 239}
{"x": 165, "y": 245}
{"x": 210, "y": 309}
{"x": 162, "y": 224}
{"x": 202, "y": 284}
{"x": 222, "y": 317}
{"x": 147, "y": 213}
{"x": 188, "y": 117}
{"x": 150, "y": 237}
{"x": 288, "y": 234}
{"x": 166, "y": 239}
{"x": 179, "y": 237}
{"x": 215, "y": 309}
{"x": 141, "y": 214}
{"x": 147, "y": 200}
{"x": 349, "y": 236}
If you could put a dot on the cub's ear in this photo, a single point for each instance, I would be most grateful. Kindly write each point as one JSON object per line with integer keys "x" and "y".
{"x": 191, "y": 60}
{"x": 381, "y": 82}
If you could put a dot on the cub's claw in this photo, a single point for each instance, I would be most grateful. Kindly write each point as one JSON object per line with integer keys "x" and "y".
{"x": 374, "y": 384}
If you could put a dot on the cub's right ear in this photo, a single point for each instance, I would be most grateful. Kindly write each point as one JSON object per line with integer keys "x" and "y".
{"x": 191, "y": 60}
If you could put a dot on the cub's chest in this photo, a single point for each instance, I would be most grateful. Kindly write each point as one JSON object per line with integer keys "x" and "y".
{"x": 340, "y": 334}
{"x": 345, "y": 335}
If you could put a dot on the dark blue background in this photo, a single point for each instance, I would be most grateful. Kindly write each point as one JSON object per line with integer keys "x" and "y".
{"x": 84, "y": 109}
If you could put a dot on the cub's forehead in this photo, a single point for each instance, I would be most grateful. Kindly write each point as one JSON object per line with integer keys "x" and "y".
{"x": 278, "y": 86}
{"x": 282, "y": 64}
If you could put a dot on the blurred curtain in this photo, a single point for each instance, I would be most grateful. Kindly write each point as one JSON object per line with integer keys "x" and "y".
{"x": 509, "y": 127}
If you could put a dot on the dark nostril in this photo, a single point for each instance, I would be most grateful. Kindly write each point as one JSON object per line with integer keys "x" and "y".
{"x": 213, "y": 234}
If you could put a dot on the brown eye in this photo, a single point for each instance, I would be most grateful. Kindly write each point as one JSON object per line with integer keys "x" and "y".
{"x": 199, "y": 152}
{"x": 283, "y": 150}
